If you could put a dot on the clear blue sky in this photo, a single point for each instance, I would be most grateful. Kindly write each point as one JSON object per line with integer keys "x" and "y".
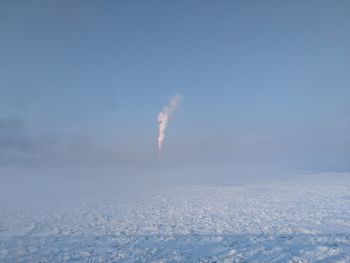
{"x": 262, "y": 81}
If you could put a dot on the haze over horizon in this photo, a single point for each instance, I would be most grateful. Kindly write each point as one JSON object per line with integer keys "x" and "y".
{"x": 266, "y": 84}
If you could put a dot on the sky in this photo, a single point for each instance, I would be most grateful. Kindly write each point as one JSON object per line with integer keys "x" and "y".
{"x": 264, "y": 83}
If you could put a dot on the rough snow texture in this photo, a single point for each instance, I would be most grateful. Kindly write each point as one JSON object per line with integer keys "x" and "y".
{"x": 285, "y": 221}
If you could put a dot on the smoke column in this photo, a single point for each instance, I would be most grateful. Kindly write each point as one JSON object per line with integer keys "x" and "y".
{"x": 164, "y": 117}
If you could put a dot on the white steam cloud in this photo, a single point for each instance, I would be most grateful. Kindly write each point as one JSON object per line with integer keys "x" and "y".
{"x": 164, "y": 117}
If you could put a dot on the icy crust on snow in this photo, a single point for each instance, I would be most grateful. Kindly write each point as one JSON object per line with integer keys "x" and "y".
{"x": 294, "y": 221}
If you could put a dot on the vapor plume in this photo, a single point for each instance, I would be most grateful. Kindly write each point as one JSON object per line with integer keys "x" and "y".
{"x": 164, "y": 117}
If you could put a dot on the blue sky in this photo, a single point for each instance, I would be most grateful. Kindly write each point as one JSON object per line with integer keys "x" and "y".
{"x": 263, "y": 82}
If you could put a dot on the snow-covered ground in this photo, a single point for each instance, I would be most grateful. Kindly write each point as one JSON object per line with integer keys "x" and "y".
{"x": 306, "y": 219}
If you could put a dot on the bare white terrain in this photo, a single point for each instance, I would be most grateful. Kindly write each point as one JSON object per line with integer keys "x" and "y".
{"x": 305, "y": 219}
